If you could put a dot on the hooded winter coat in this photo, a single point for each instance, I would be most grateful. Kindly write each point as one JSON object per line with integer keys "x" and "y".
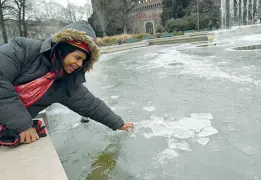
{"x": 22, "y": 60}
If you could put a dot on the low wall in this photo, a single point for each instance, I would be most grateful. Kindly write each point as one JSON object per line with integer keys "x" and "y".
{"x": 178, "y": 40}
{"x": 159, "y": 41}
{"x": 236, "y": 31}
{"x": 122, "y": 47}
{"x": 36, "y": 161}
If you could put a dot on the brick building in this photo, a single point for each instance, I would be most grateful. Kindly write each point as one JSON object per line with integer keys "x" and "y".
{"x": 145, "y": 17}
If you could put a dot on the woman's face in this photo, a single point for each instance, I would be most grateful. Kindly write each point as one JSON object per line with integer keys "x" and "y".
{"x": 73, "y": 61}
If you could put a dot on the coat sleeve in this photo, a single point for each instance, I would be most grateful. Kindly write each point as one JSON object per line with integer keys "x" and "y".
{"x": 13, "y": 113}
{"x": 83, "y": 102}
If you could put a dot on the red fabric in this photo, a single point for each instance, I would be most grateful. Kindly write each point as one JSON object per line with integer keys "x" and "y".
{"x": 31, "y": 92}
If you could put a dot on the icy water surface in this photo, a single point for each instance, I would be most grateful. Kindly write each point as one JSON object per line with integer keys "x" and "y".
{"x": 196, "y": 111}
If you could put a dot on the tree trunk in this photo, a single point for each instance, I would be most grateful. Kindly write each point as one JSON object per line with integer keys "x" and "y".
{"x": 24, "y": 21}
{"x": 20, "y": 22}
{"x": 3, "y": 24}
{"x": 104, "y": 32}
{"x": 125, "y": 28}
{"x": 19, "y": 15}
{"x": 124, "y": 22}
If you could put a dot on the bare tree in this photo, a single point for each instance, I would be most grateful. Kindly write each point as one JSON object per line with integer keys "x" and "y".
{"x": 24, "y": 20}
{"x": 21, "y": 9}
{"x": 100, "y": 10}
{"x": 112, "y": 13}
{"x": 73, "y": 13}
{"x": 2, "y": 21}
{"x": 18, "y": 12}
{"x": 128, "y": 5}
{"x": 88, "y": 10}
{"x": 43, "y": 10}
{"x": 106, "y": 12}
{"x": 5, "y": 11}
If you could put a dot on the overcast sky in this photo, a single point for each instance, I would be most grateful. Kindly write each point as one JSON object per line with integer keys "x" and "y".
{"x": 76, "y": 2}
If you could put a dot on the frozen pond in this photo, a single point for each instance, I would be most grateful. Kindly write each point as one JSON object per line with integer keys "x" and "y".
{"x": 196, "y": 110}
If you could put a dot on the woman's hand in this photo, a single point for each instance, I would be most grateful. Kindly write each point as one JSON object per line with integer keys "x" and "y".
{"x": 127, "y": 126}
{"x": 28, "y": 136}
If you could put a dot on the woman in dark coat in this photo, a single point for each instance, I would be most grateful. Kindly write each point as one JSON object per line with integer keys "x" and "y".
{"x": 36, "y": 74}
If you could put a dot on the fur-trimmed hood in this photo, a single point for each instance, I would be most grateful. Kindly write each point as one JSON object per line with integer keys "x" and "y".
{"x": 79, "y": 31}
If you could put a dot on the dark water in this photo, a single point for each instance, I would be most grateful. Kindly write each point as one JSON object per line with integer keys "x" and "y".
{"x": 196, "y": 110}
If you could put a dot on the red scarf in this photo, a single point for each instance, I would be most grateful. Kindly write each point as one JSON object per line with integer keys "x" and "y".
{"x": 31, "y": 92}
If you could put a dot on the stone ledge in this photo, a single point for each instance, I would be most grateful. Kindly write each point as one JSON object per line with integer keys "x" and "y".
{"x": 178, "y": 40}
{"x": 116, "y": 48}
{"x": 199, "y": 37}
{"x": 38, "y": 160}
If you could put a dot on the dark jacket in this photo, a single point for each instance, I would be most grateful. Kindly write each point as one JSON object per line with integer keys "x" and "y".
{"x": 22, "y": 60}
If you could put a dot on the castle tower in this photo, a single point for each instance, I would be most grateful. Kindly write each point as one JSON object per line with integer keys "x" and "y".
{"x": 145, "y": 16}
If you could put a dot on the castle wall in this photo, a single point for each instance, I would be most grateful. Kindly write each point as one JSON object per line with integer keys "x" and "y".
{"x": 147, "y": 11}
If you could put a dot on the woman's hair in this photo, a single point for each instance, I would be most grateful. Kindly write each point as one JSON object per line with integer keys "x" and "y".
{"x": 58, "y": 53}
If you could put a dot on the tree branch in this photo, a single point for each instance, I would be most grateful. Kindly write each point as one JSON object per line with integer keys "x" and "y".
{"x": 4, "y": 2}
{"x": 128, "y": 10}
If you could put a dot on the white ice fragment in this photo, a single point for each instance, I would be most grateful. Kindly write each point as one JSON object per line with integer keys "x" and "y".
{"x": 156, "y": 118}
{"x": 250, "y": 151}
{"x": 183, "y": 128}
{"x": 231, "y": 128}
{"x": 184, "y": 146}
{"x": 247, "y": 149}
{"x": 133, "y": 135}
{"x": 76, "y": 124}
{"x": 203, "y": 141}
{"x": 150, "y": 109}
{"x": 166, "y": 155}
{"x": 202, "y": 115}
{"x": 114, "y": 97}
{"x": 163, "y": 77}
{"x": 149, "y": 176}
{"x": 107, "y": 87}
{"x": 148, "y": 135}
{"x": 194, "y": 124}
{"x": 208, "y": 131}
{"x": 184, "y": 134}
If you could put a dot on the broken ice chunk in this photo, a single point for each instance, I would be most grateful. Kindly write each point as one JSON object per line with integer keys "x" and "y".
{"x": 114, "y": 97}
{"x": 202, "y": 115}
{"x": 148, "y": 135}
{"x": 203, "y": 141}
{"x": 184, "y": 146}
{"x": 166, "y": 155}
{"x": 150, "y": 109}
{"x": 208, "y": 131}
{"x": 75, "y": 125}
{"x": 184, "y": 134}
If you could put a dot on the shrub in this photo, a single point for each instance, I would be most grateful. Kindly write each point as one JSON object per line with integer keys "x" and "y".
{"x": 159, "y": 28}
{"x": 139, "y": 36}
{"x": 100, "y": 42}
{"x": 157, "y": 35}
{"x": 180, "y": 33}
{"x": 182, "y": 24}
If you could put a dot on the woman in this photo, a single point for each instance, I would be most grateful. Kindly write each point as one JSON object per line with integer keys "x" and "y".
{"x": 36, "y": 74}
